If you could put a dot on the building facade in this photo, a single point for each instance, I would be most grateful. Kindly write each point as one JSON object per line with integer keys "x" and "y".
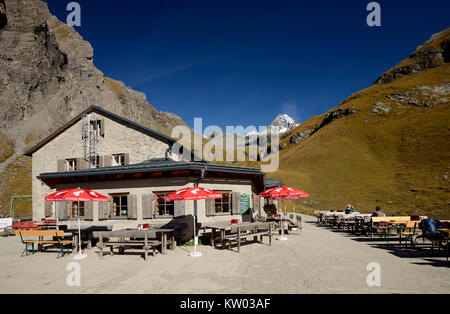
{"x": 135, "y": 167}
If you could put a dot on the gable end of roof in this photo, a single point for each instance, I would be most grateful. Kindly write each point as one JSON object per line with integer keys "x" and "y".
{"x": 138, "y": 127}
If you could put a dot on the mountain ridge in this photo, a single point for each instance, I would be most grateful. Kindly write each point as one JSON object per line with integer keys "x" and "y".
{"x": 47, "y": 77}
{"x": 386, "y": 145}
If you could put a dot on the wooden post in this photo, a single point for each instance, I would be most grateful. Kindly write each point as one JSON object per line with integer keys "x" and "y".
{"x": 173, "y": 242}
{"x": 146, "y": 247}
{"x": 100, "y": 245}
{"x": 213, "y": 234}
{"x": 163, "y": 243}
{"x": 270, "y": 234}
{"x": 239, "y": 239}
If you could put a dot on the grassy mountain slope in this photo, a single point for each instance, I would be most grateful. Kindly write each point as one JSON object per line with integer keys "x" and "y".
{"x": 386, "y": 145}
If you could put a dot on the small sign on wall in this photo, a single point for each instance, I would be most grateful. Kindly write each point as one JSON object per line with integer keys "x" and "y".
{"x": 245, "y": 203}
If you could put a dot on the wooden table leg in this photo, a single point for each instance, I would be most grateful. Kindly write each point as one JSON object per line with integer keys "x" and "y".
{"x": 172, "y": 243}
{"x": 163, "y": 243}
{"x": 40, "y": 245}
{"x": 89, "y": 239}
{"x": 75, "y": 243}
{"x": 222, "y": 236}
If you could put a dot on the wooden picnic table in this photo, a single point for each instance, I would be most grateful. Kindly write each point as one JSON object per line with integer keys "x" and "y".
{"x": 141, "y": 234}
{"x": 220, "y": 227}
{"x": 88, "y": 231}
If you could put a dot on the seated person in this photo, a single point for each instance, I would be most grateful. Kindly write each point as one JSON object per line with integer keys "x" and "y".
{"x": 349, "y": 209}
{"x": 378, "y": 212}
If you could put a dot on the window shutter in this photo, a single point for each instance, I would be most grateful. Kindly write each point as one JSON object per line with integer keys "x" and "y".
{"x": 63, "y": 212}
{"x": 107, "y": 161}
{"x": 61, "y": 165}
{"x": 89, "y": 210}
{"x": 48, "y": 209}
{"x": 101, "y": 161}
{"x": 179, "y": 208}
{"x": 236, "y": 200}
{"x": 103, "y": 211}
{"x": 102, "y": 127}
{"x": 81, "y": 164}
{"x": 147, "y": 206}
{"x": 256, "y": 204}
{"x": 132, "y": 206}
{"x": 210, "y": 207}
{"x": 127, "y": 159}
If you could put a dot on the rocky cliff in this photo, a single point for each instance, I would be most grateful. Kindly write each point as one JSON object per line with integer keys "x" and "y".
{"x": 47, "y": 76}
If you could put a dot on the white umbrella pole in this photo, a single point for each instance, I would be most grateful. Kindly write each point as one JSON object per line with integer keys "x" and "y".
{"x": 195, "y": 253}
{"x": 79, "y": 255}
{"x": 282, "y": 238}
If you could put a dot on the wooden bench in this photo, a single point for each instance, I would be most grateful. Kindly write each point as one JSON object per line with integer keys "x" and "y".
{"x": 57, "y": 239}
{"x": 48, "y": 223}
{"x": 254, "y": 230}
{"x": 294, "y": 222}
{"x": 25, "y": 225}
{"x": 146, "y": 243}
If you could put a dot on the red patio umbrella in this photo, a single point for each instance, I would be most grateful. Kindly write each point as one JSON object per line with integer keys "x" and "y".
{"x": 193, "y": 193}
{"x": 56, "y": 196}
{"x": 283, "y": 193}
{"x": 76, "y": 195}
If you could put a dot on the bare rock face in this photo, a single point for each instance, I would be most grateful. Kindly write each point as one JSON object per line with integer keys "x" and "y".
{"x": 3, "y": 17}
{"x": 47, "y": 76}
{"x": 47, "y": 69}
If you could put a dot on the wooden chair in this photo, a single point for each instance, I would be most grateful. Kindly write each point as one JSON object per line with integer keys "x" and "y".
{"x": 410, "y": 231}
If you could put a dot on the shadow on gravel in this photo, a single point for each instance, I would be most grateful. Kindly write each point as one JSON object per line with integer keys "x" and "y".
{"x": 392, "y": 245}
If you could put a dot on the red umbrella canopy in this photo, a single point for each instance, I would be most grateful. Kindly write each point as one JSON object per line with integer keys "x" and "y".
{"x": 283, "y": 192}
{"x": 192, "y": 193}
{"x": 76, "y": 195}
{"x": 56, "y": 196}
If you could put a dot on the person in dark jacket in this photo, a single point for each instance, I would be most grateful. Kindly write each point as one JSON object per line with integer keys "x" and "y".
{"x": 378, "y": 212}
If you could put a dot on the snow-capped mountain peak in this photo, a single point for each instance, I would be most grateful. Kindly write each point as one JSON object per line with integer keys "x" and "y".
{"x": 281, "y": 124}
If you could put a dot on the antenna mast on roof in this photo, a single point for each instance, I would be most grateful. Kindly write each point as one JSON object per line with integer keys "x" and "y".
{"x": 90, "y": 139}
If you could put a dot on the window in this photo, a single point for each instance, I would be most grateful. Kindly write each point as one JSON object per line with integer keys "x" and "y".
{"x": 94, "y": 162}
{"x": 163, "y": 207}
{"x": 76, "y": 209}
{"x": 119, "y": 205}
{"x": 71, "y": 164}
{"x": 223, "y": 205}
{"x": 118, "y": 160}
{"x": 96, "y": 126}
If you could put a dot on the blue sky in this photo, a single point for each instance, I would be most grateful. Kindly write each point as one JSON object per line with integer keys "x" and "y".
{"x": 243, "y": 62}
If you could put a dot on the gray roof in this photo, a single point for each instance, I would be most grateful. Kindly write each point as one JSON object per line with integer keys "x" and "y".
{"x": 155, "y": 134}
{"x": 153, "y": 165}
{"x": 273, "y": 183}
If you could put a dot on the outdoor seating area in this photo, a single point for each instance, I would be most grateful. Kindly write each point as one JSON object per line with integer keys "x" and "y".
{"x": 148, "y": 237}
{"x": 400, "y": 232}
{"x": 225, "y": 234}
